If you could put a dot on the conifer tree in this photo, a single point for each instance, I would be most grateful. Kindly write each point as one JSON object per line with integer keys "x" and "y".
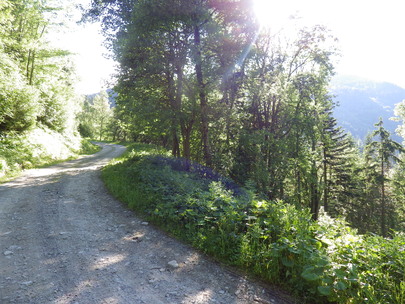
{"x": 338, "y": 164}
{"x": 384, "y": 152}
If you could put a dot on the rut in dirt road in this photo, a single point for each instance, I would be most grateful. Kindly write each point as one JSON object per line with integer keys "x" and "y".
{"x": 64, "y": 239}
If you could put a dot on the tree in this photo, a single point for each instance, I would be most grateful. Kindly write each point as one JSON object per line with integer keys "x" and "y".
{"x": 384, "y": 153}
{"x": 37, "y": 79}
{"x": 339, "y": 156}
{"x": 176, "y": 50}
{"x": 18, "y": 101}
{"x": 399, "y": 112}
{"x": 96, "y": 116}
{"x": 397, "y": 215}
{"x": 200, "y": 78}
{"x": 102, "y": 113}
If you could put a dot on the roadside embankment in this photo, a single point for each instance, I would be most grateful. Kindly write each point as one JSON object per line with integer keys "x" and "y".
{"x": 38, "y": 147}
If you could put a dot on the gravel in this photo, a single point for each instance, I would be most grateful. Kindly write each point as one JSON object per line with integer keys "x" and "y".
{"x": 66, "y": 240}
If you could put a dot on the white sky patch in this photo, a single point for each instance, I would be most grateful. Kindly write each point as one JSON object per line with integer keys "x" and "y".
{"x": 93, "y": 68}
{"x": 275, "y": 14}
{"x": 85, "y": 41}
{"x": 370, "y": 32}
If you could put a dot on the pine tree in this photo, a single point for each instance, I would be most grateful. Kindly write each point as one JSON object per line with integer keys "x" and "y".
{"x": 338, "y": 158}
{"x": 384, "y": 152}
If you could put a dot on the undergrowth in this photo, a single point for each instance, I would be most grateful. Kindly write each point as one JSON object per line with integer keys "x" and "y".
{"x": 321, "y": 262}
{"x": 88, "y": 148}
{"x": 38, "y": 148}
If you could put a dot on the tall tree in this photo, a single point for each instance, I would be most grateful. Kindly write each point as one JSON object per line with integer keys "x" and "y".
{"x": 95, "y": 117}
{"x": 384, "y": 152}
{"x": 338, "y": 158}
{"x": 46, "y": 71}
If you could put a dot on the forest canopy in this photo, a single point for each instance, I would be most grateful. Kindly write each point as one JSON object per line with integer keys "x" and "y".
{"x": 38, "y": 104}
{"x": 207, "y": 81}
{"x": 36, "y": 80}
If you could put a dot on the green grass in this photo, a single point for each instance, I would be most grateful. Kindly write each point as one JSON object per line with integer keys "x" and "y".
{"x": 88, "y": 148}
{"x": 321, "y": 262}
{"x": 36, "y": 149}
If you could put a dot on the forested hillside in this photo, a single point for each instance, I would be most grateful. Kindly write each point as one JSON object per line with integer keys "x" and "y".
{"x": 37, "y": 102}
{"x": 361, "y": 102}
{"x": 203, "y": 79}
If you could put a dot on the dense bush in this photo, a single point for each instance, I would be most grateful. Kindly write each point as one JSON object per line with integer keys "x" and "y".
{"x": 18, "y": 101}
{"x": 324, "y": 261}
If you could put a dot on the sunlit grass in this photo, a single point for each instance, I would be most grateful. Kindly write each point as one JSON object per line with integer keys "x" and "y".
{"x": 88, "y": 147}
{"x": 38, "y": 148}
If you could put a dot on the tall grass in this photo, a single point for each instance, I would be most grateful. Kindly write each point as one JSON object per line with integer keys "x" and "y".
{"x": 321, "y": 262}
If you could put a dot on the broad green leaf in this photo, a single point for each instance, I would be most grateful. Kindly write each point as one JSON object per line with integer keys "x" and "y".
{"x": 309, "y": 275}
{"x": 287, "y": 262}
{"x": 327, "y": 280}
{"x": 340, "y": 285}
{"x": 325, "y": 290}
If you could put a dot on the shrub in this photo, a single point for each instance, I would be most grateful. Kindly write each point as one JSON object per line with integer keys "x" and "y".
{"x": 37, "y": 147}
{"x": 324, "y": 261}
{"x": 88, "y": 147}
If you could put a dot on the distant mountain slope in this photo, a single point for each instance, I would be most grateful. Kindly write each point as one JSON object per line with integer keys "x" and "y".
{"x": 361, "y": 102}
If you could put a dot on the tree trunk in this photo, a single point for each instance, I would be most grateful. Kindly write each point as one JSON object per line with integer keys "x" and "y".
{"x": 173, "y": 108}
{"x": 203, "y": 98}
{"x": 28, "y": 64}
{"x": 177, "y": 104}
{"x": 383, "y": 222}
{"x": 186, "y": 136}
{"x": 314, "y": 193}
{"x": 325, "y": 181}
{"x": 31, "y": 78}
{"x": 175, "y": 144}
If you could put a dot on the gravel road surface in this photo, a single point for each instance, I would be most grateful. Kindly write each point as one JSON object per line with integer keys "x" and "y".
{"x": 64, "y": 239}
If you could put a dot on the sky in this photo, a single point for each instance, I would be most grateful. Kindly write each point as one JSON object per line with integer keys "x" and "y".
{"x": 93, "y": 67}
{"x": 85, "y": 42}
{"x": 370, "y": 33}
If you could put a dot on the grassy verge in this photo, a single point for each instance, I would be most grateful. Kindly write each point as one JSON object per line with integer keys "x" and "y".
{"x": 321, "y": 262}
{"x": 88, "y": 148}
{"x": 38, "y": 148}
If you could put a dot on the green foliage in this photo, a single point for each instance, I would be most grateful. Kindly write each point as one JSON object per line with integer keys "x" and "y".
{"x": 15, "y": 153}
{"x": 382, "y": 154}
{"x": 322, "y": 262}
{"x": 36, "y": 80}
{"x": 18, "y": 101}
{"x": 34, "y": 148}
{"x": 95, "y": 117}
{"x": 88, "y": 147}
{"x": 202, "y": 79}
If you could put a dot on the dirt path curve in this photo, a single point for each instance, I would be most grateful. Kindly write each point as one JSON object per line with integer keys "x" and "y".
{"x": 64, "y": 239}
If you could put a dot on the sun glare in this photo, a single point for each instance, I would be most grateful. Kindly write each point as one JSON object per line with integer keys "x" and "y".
{"x": 274, "y": 14}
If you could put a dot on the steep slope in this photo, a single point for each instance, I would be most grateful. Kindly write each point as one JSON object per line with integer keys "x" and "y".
{"x": 361, "y": 102}
{"x": 35, "y": 147}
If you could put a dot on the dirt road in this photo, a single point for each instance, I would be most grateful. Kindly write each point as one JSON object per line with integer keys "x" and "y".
{"x": 64, "y": 239}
